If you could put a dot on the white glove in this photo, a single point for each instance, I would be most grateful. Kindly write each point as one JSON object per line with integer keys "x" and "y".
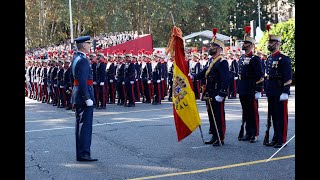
{"x": 219, "y": 98}
{"x": 190, "y": 76}
{"x": 111, "y": 81}
{"x": 284, "y": 96}
{"x": 61, "y": 86}
{"x": 162, "y": 79}
{"x": 123, "y": 82}
{"x": 70, "y": 88}
{"x": 89, "y": 102}
{"x": 55, "y": 85}
{"x": 101, "y": 83}
{"x": 158, "y": 81}
{"x": 149, "y": 81}
{"x": 235, "y": 78}
{"x": 94, "y": 83}
{"x": 136, "y": 79}
{"x": 131, "y": 82}
{"x": 42, "y": 83}
{"x": 257, "y": 95}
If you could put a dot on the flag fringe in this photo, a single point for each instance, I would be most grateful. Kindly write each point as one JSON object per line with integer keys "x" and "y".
{"x": 176, "y": 32}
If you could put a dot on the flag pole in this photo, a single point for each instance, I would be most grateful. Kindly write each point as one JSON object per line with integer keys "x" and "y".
{"x": 174, "y": 24}
{"x": 71, "y": 26}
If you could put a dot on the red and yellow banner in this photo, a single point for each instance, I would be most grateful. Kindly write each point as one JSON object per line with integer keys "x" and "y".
{"x": 185, "y": 110}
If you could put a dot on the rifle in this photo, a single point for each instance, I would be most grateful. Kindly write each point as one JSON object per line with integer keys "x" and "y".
{"x": 124, "y": 94}
{"x": 266, "y": 136}
{"x": 241, "y": 133}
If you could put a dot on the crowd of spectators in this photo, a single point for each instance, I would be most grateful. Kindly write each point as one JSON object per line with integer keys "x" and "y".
{"x": 101, "y": 41}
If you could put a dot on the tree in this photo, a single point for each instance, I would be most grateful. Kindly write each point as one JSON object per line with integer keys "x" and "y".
{"x": 246, "y": 11}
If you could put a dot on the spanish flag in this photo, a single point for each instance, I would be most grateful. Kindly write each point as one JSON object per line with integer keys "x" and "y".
{"x": 185, "y": 110}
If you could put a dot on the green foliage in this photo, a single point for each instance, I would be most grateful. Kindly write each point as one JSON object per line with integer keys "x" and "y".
{"x": 95, "y": 17}
{"x": 287, "y": 32}
{"x": 246, "y": 11}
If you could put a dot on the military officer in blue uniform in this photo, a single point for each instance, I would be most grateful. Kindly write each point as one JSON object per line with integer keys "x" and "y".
{"x": 62, "y": 95}
{"x": 170, "y": 76}
{"x": 137, "y": 84}
{"x": 111, "y": 73}
{"x": 164, "y": 76}
{"x": 146, "y": 75}
{"x": 54, "y": 81}
{"x": 67, "y": 83}
{"x": 156, "y": 80}
{"x": 279, "y": 78}
{"x": 250, "y": 84}
{"x": 101, "y": 79}
{"x": 217, "y": 79}
{"x": 44, "y": 80}
{"x": 120, "y": 85}
{"x": 233, "y": 77}
{"x": 94, "y": 64}
{"x": 129, "y": 79}
{"x": 83, "y": 98}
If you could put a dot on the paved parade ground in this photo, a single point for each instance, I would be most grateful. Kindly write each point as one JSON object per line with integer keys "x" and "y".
{"x": 141, "y": 143}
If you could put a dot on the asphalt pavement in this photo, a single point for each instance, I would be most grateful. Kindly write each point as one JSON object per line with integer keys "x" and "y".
{"x": 141, "y": 143}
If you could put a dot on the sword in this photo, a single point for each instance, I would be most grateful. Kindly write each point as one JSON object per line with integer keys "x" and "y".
{"x": 214, "y": 119}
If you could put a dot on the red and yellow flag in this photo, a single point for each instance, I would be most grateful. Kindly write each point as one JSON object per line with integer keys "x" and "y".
{"x": 185, "y": 110}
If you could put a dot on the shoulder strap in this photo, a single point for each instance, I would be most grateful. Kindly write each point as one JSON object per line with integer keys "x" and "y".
{"x": 74, "y": 65}
{"x": 211, "y": 64}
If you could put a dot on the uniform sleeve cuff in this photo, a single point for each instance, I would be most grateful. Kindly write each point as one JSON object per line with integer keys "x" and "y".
{"x": 86, "y": 97}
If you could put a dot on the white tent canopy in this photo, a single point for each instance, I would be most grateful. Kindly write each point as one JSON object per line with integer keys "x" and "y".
{"x": 207, "y": 34}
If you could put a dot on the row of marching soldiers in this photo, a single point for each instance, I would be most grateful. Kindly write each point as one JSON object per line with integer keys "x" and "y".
{"x": 48, "y": 79}
{"x": 128, "y": 78}
{"x": 119, "y": 76}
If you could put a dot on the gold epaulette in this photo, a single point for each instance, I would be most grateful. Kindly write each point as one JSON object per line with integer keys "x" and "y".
{"x": 260, "y": 80}
{"x": 287, "y": 83}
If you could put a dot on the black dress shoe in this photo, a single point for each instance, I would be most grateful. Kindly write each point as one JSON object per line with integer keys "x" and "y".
{"x": 253, "y": 139}
{"x": 216, "y": 143}
{"x": 245, "y": 138}
{"x": 212, "y": 140}
{"x": 272, "y": 143}
{"x": 86, "y": 158}
{"x": 278, "y": 145}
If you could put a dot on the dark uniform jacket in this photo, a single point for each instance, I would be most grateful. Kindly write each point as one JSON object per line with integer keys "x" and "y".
{"x": 250, "y": 75}
{"x": 81, "y": 72}
{"x": 111, "y": 71}
{"x": 279, "y": 74}
{"x": 146, "y": 71}
{"x": 217, "y": 79}
{"x": 156, "y": 72}
{"x": 129, "y": 72}
{"x": 101, "y": 72}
